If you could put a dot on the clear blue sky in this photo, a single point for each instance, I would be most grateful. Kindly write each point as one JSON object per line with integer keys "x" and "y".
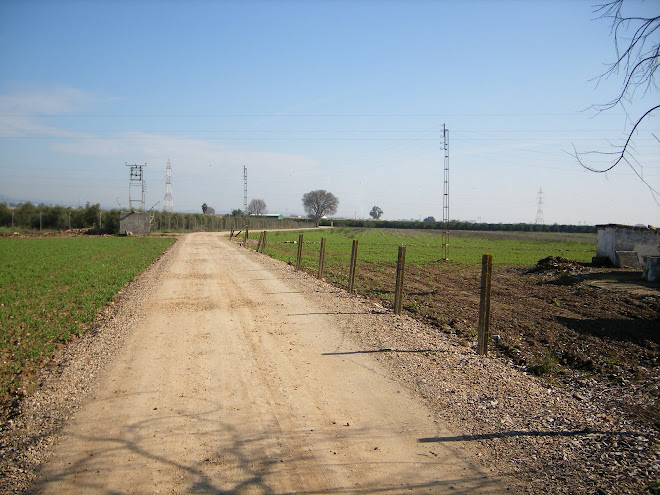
{"x": 344, "y": 96}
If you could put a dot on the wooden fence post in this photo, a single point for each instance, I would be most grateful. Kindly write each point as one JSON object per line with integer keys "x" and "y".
{"x": 351, "y": 273}
{"x": 321, "y": 257}
{"x": 398, "y": 291}
{"x": 246, "y": 236}
{"x": 483, "y": 330}
{"x": 299, "y": 257}
{"x": 261, "y": 236}
{"x": 263, "y": 243}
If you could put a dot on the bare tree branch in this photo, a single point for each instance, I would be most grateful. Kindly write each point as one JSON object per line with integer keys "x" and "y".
{"x": 637, "y": 57}
{"x": 641, "y": 54}
{"x": 620, "y": 154}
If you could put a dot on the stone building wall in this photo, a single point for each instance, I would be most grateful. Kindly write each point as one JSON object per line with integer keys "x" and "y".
{"x": 623, "y": 244}
{"x": 134, "y": 223}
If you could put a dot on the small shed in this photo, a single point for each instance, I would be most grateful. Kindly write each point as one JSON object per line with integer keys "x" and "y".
{"x": 627, "y": 246}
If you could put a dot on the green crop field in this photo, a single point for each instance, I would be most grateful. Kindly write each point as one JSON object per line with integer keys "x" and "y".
{"x": 51, "y": 287}
{"x": 378, "y": 251}
{"x": 381, "y": 246}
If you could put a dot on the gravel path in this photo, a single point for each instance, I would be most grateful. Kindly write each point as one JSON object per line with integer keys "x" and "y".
{"x": 539, "y": 437}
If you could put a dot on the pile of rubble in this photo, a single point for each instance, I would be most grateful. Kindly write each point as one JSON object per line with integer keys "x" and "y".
{"x": 557, "y": 265}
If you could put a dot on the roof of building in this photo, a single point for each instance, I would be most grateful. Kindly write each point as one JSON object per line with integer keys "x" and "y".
{"x": 631, "y": 227}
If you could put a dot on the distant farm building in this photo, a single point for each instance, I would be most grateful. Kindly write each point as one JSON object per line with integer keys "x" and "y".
{"x": 268, "y": 215}
{"x": 627, "y": 246}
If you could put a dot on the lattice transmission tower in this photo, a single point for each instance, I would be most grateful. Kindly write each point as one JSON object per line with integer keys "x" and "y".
{"x": 539, "y": 208}
{"x": 445, "y": 195}
{"x": 244, "y": 189}
{"x": 168, "y": 202}
{"x": 245, "y": 213}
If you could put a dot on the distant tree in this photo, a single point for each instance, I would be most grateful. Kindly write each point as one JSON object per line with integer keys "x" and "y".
{"x": 429, "y": 219}
{"x": 54, "y": 217}
{"x": 5, "y": 215}
{"x": 204, "y": 208}
{"x": 237, "y": 213}
{"x": 256, "y": 207}
{"x": 637, "y": 47}
{"x": 376, "y": 213}
{"x": 319, "y": 203}
{"x": 90, "y": 216}
{"x": 26, "y": 215}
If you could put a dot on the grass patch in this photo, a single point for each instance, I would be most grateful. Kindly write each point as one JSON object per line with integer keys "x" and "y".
{"x": 381, "y": 246}
{"x": 51, "y": 287}
{"x": 544, "y": 365}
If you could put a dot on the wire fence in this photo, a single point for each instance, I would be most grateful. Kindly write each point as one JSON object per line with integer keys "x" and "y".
{"x": 96, "y": 220}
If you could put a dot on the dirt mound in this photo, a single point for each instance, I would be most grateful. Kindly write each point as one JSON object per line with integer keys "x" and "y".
{"x": 557, "y": 264}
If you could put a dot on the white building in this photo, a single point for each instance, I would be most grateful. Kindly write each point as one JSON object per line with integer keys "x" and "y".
{"x": 627, "y": 246}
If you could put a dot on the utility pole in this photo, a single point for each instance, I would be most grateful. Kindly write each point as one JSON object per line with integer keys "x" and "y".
{"x": 445, "y": 195}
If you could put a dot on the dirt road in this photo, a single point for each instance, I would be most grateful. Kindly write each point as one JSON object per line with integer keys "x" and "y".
{"x": 234, "y": 382}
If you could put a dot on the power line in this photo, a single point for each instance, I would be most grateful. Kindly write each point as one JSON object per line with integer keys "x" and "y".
{"x": 284, "y": 138}
{"x": 303, "y": 115}
{"x": 292, "y": 131}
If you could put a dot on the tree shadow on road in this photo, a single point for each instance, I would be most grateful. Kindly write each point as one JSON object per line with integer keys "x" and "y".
{"x": 375, "y": 351}
{"x": 522, "y": 433}
{"x": 263, "y": 461}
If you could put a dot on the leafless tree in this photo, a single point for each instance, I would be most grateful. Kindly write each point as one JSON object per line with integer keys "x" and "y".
{"x": 256, "y": 207}
{"x": 319, "y": 203}
{"x": 637, "y": 45}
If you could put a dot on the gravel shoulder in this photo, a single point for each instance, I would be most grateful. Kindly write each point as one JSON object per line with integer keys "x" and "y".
{"x": 509, "y": 430}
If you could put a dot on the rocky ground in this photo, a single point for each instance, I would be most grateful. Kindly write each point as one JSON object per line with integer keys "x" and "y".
{"x": 566, "y": 401}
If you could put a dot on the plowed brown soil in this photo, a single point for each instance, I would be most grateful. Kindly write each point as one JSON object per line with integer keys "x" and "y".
{"x": 563, "y": 320}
